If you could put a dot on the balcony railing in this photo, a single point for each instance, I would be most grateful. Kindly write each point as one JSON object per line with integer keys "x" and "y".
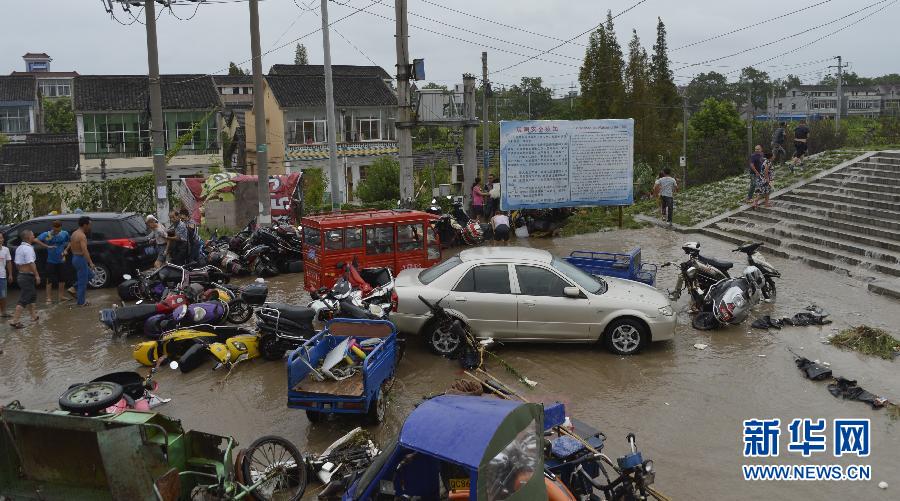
{"x": 147, "y": 153}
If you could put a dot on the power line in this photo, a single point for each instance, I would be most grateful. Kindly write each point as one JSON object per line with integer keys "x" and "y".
{"x": 351, "y": 44}
{"x": 738, "y": 30}
{"x": 532, "y": 58}
{"x": 197, "y": 8}
{"x": 744, "y": 51}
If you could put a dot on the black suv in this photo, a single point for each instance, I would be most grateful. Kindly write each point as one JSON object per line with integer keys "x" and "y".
{"x": 118, "y": 243}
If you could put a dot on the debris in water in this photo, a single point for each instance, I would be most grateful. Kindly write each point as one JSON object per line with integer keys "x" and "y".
{"x": 882, "y": 485}
{"x": 761, "y": 356}
{"x": 700, "y": 346}
{"x": 868, "y": 341}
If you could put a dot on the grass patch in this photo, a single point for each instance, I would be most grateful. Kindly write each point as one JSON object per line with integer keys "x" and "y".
{"x": 701, "y": 202}
{"x": 867, "y": 340}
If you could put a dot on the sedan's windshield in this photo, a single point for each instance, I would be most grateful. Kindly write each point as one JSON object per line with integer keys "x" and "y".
{"x": 587, "y": 282}
{"x": 432, "y": 274}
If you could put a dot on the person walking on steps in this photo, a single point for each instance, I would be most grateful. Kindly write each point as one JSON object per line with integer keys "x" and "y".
{"x": 666, "y": 187}
{"x": 801, "y": 143}
{"x": 28, "y": 279}
{"x": 764, "y": 182}
{"x": 756, "y": 166}
{"x": 778, "y": 151}
{"x": 5, "y": 274}
{"x": 81, "y": 259}
{"x": 57, "y": 239}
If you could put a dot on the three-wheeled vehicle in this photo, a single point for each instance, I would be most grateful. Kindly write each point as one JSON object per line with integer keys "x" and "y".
{"x": 625, "y": 265}
{"x": 344, "y": 369}
{"x": 137, "y": 456}
{"x": 475, "y": 448}
{"x": 395, "y": 239}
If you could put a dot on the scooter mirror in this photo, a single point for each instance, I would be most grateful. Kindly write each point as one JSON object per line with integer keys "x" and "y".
{"x": 260, "y": 280}
{"x": 126, "y": 276}
{"x": 173, "y": 365}
{"x": 139, "y": 301}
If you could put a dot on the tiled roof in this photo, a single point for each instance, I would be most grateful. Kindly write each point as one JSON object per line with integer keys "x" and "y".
{"x": 297, "y": 91}
{"x": 32, "y": 55}
{"x": 345, "y": 70}
{"x": 46, "y": 74}
{"x": 17, "y": 88}
{"x": 232, "y": 79}
{"x": 131, "y": 92}
{"x": 25, "y": 162}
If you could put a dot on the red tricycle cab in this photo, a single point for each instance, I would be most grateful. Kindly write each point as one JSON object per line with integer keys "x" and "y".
{"x": 396, "y": 239}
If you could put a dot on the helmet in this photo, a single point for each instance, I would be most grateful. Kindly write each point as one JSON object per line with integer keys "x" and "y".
{"x": 145, "y": 353}
{"x": 691, "y": 247}
{"x": 754, "y": 276}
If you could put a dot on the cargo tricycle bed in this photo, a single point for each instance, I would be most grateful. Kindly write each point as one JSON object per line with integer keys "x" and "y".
{"x": 344, "y": 369}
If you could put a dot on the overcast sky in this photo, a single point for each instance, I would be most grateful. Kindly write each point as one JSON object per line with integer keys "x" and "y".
{"x": 81, "y": 36}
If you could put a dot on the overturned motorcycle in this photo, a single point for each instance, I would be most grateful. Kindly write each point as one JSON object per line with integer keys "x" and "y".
{"x": 190, "y": 348}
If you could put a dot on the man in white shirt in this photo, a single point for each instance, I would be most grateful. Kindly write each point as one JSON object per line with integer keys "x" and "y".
{"x": 666, "y": 187}
{"x": 28, "y": 279}
{"x": 5, "y": 272}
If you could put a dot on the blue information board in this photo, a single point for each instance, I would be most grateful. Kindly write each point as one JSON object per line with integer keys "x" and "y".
{"x": 562, "y": 163}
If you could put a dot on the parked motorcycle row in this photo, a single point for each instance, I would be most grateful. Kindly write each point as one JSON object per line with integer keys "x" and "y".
{"x": 264, "y": 251}
{"x": 718, "y": 298}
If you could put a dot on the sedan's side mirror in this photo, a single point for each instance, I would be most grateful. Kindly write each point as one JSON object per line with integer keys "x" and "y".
{"x": 572, "y": 292}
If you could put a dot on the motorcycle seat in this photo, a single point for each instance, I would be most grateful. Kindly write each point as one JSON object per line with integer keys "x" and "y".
{"x": 722, "y": 265}
{"x": 298, "y": 314}
{"x": 134, "y": 312}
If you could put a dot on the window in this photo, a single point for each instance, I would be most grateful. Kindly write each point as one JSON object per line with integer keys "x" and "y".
{"x": 410, "y": 237}
{"x": 521, "y": 456}
{"x": 235, "y": 90}
{"x": 793, "y": 93}
{"x": 311, "y": 236}
{"x": 379, "y": 240}
{"x": 314, "y": 131}
{"x": 488, "y": 279}
{"x": 15, "y": 120}
{"x": 334, "y": 240}
{"x": 433, "y": 273}
{"x": 793, "y": 106}
{"x": 779, "y": 105}
{"x": 353, "y": 238}
{"x": 540, "y": 282}
{"x": 55, "y": 87}
{"x": 434, "y": 246}
{"x": 369, "y": 129}
{"x": 587, "y": 282}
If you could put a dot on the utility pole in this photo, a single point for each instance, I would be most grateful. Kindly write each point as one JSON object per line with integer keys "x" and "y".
{"x": 404, "y": 122}
{"x": 749, "y": 119}
{"x": 470, "y": 164}
{"x": 259, "y": 113}
{"x": 684, "y": 128}
{"x": 157, "y": 123}
{"x": 485, "y": 122}
{"x": 529, "y": 104}
{"x": 334, "y": 172}
{"x": 839, "y": 104}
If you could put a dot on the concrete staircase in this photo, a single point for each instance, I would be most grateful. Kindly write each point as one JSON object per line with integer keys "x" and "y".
{"x": 846, "y": 219}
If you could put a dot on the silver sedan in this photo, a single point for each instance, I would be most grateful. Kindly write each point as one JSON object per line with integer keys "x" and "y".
{"x": 521, "y": 294}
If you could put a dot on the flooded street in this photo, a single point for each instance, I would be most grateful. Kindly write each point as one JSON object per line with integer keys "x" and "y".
{"x": 685, "y": 405}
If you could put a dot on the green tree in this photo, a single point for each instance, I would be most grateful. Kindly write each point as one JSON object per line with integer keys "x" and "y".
{"x": 638, "y": 102}
{"x": 716, "y": 146}
{"x": 780, "y": 86}
{"x": 848, "y": 78}
{"x": 709, "y": 85}
{"x": 759, "y": 84}
{"x": 432, "y": 85}
{"x": 234, "y": 70}
{"x": 58, "y": 116}
{"x": 300, "y": 56}
{"x": 662, "y": 82}
{"x": 382, "y": 181}
{"x": 602, "y": 87}
{"x": 516, "y": 98}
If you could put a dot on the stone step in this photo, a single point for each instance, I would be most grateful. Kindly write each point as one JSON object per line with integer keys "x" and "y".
{"x": 824, "y": 186}
{"x": 844, "y": 214}
{"x": 749, "y": 232}
{"x": 857, "y": 169}
{"x": 856, "y": 177}
{"x": 852, "y": 261}
{"x": 878, "y": 165}
{"x": 870, "y": 249}
{"x": 885, "y": 159}
{"x": 859, "y": 185}
{"x": 821, "y": 203}
{"x": 850, "y": 228}
{"x": 810, "y": 194}
{"x": 749, "y": 236}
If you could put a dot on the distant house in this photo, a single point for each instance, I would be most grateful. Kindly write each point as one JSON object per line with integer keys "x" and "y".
{"x": 366, "y": 107}
{"x": 41, "y": 159}
{"x": 113, "y": 119}
{"x": 51, "y": 84}
{"x": 20, "y": 107}
{"x": 821, "y": 101}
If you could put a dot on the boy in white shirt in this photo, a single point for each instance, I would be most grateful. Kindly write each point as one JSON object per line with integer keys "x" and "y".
{"x": 5, "y": 272}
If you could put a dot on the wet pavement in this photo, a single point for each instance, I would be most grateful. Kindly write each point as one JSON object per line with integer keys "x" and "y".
{"x": 685, "y": 405}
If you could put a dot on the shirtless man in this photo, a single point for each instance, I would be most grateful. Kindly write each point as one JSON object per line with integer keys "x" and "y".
{"x": 81, "y": 258}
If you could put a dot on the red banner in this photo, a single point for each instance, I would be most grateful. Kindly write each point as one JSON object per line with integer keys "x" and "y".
{"x": 218, "y": 186}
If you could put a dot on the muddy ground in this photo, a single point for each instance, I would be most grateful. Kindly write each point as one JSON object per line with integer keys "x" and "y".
{"x": 685, "y": 405}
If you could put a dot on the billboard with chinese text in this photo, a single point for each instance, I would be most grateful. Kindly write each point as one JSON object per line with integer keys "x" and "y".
{"x": 562, "y": 163}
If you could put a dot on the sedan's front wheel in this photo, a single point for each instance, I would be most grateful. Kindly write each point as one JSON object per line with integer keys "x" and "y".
{"x": 442, "y": 340}
{"x": 626, "y": 336}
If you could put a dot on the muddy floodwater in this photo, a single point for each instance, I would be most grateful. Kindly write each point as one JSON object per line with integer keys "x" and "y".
{"x": 685, "y": 405}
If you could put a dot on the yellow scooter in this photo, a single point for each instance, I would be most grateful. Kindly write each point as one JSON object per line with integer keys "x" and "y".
{"x": 191, "y": 347}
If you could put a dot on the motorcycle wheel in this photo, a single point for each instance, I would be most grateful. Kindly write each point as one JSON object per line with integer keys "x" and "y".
{"x": 239, "y": 311}
{"x": 90, "y": 398}
{"x": 277, "y": 460}
{"x": 129, "y": 290}
{"x": 270, "y": 347}
{"x": 769, "y": 290}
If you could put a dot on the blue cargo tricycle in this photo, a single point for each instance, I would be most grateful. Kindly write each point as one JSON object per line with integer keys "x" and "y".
{"x": 344, "y": 369}
{"x": 625, "y": 265}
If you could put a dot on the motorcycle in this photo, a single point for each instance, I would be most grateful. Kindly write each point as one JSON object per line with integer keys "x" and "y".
{"x": 452, "y": 338}
{"x": 635, "y": 476}
{"x": 697, "y": 274}
{"x": 338, "y": 465}
{"x": 112, "y": 394}
{"x": 729, "y": 301}
{"x": 755, "y": 258}
{"x": 127, "y": 320}
{"x": 258, "y": 259}
{"x": 192, "y": 346}
{"x": 211, "y": 313}
{"x": 149, "y": 286}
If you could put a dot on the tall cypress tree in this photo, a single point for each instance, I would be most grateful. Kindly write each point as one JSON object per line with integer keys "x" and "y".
{"x": 638, "y": 102}
{"x": 664, "y": 93}
{"x": 602, "y": 88}
{"x": 615, "y": 69}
